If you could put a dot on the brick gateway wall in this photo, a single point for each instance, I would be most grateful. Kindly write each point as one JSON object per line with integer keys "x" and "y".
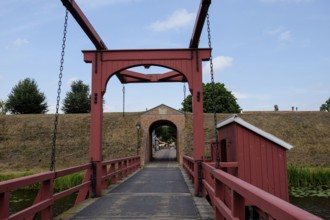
{"x": 158, "y": 116}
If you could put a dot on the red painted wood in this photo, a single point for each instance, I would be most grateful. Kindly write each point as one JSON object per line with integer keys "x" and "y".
{"x": 85, "y": 192}
{"x": 270, "y": 170}
{"x": 264, "y": 162}
{"x": 84, "y": 23}
{"x": 260, "y": 161}
{"x": 4, "y": 205}
{"x": 238, "y": 206}
{"x": 274, "y": 206}
{"x": 113, "y": 171}
{"x": 105, "y": 64}
{"x": 246, "y": 160}
{"x": 45, "y": 198}
{"x": 199, "y": 23}
{"x": 32, "y": 210}
{"x": 62, "y": 194}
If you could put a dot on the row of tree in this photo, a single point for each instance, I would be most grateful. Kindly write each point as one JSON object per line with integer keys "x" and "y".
{"x": 26, "y": 98}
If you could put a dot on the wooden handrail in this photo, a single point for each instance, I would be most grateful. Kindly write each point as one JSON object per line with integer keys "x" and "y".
{"x": 216, "y": 180}
{"x": 46, "y": 196}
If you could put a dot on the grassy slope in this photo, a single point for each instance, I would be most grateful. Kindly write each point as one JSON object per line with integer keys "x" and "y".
{"x": 26, "y": 140}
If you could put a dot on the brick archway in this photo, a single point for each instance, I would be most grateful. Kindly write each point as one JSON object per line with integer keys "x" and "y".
{"x": 157, "y": 116}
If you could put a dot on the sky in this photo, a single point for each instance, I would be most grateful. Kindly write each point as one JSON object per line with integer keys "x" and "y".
{"x": 266, "y": 52}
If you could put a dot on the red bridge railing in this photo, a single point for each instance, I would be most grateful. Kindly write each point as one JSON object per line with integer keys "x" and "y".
{"x": 229, "y": 195}
{"x": 113, "y": 171}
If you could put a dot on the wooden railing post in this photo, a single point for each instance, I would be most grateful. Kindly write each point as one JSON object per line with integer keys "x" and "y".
{"x": 120, "y": 171}
{"x": 46, "y": 193}
{"x": 113, "y": 170}
{"x": 4, "y": 205}
{"x": 238, "y": 206}
{"x": 125, "y": 168}
{"x": 219, "y": 194}
{"x": 104, "y": 183}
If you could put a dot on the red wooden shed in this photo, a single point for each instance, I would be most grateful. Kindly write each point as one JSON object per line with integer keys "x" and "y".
{"x": 253, "y": 155}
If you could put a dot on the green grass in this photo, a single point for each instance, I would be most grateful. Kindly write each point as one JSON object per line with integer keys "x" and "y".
{"x": 309, "y": 181}
{"x": 69, "y": 181}
{"x": 8, "y": 176}
{"x": 60, "y": 184}
{"x": 308, "y": 176}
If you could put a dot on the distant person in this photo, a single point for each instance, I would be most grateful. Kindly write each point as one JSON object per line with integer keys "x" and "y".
{"x": 155, "y": 142}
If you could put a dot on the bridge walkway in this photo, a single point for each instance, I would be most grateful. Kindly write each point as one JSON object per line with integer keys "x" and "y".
{"x": 158, "y": 191}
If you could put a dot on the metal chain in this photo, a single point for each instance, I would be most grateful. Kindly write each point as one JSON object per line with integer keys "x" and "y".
{"x": 213, "y": 95}
{"x": 123, "y": 100}
{"x": 53, "y": 154}
{"x": 184, "y": 98}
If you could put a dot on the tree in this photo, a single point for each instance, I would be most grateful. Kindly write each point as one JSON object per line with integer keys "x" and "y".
{"x": 78, "y": 99}
{"x": 325, "y": 106}
{"x": 25, "y": 98}
{"x": 3, "y": 107}
{"x": 225, "y": 101}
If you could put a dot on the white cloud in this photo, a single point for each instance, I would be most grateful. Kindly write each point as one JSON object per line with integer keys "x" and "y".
{"x": 281, "y": 33}
{"x": 240, "y": 95}
{"x": 19, "y": 42}
{"x": 285, "y": 36}
{"x": 219, "y": 64}
{"x": 179, "y": 18}
{"x": 285, "y": 1}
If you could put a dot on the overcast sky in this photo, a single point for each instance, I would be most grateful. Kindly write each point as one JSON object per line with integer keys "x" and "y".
{"x": 266, "y": 52}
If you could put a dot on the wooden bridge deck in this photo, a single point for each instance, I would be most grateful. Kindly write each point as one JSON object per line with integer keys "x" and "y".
{"x": 159, "y": 191}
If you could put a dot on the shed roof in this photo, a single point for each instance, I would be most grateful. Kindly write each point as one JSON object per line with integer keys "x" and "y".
{"x": 253, "y": 128}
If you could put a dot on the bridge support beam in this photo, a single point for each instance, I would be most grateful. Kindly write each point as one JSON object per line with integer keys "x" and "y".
{"x": 186, "y": 63}
{"x": 96, "y": 123}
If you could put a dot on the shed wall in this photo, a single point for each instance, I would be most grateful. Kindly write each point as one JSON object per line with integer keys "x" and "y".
{"x": 261, "y": 162}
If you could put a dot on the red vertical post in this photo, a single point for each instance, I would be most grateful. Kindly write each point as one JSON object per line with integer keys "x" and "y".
{"x": 47, "y": 188}
{"x": 96, "y": 120}
{"x": 120, "y": 171}
{"x": 113, "y": 170}
{"x": 220, "y": 194}
{"x": 198, "y": 124}
{"x": 238, "y": 206}
{"x": 4, "y": 205}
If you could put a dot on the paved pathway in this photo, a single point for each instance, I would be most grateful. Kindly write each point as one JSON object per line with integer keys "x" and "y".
{"x": 158, "y": 192}
{"x": 167, "y": 154}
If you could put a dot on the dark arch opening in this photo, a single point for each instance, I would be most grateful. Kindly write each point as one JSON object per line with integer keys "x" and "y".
{"x": 163, "y": 143}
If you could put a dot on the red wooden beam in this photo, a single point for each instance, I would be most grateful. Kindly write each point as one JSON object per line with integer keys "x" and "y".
{"x": 127, "y": 76}
{"x": 199, "y": 23}
{"x": 84, "y": 23}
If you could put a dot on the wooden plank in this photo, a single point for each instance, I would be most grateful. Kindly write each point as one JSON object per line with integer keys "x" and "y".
{"x": 246, "y": 159}
{"x": 257, "y": 144}
{"x": 253, "y": 158}
{"x": 277, "y": 181}
{"x": 265, "y": 180}
{"x": 270, "y": 170}
{"x": 84, "y": 23}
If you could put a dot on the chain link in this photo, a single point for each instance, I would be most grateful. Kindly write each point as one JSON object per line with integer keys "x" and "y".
{"x": 53, "y": 153}
{"x": 184, "y": 98}
{"x": 217, "y": 165}
{"x": 123, "y": 100}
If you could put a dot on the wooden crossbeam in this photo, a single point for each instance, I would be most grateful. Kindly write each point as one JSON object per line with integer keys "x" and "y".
{"x": 199, "y": 23}
{"x": 84, "y": 23}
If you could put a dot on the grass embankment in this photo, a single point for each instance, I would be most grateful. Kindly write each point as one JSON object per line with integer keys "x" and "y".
{"x": 25, "y": 140}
